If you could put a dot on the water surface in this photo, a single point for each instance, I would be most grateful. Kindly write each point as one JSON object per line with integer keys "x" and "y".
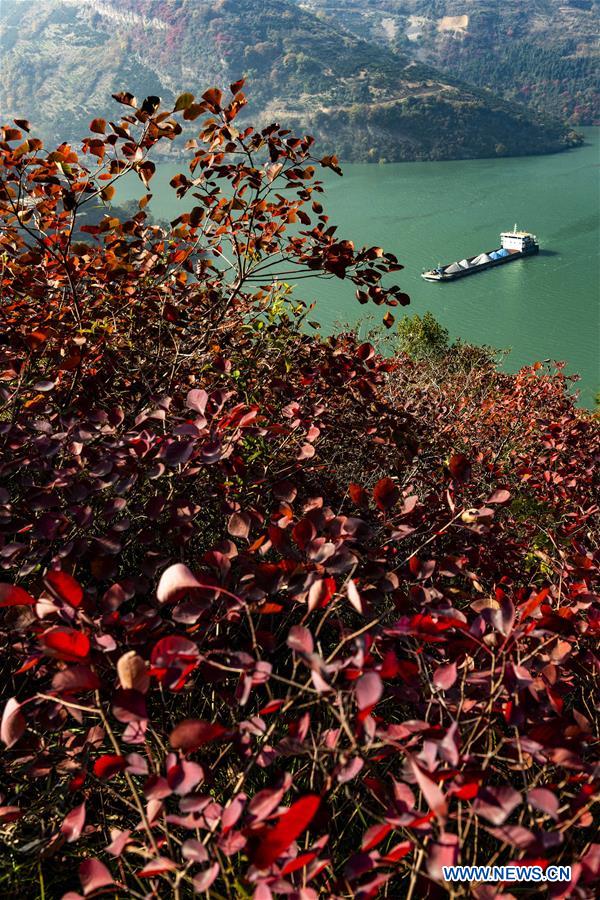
{"x": 544, "y": 307}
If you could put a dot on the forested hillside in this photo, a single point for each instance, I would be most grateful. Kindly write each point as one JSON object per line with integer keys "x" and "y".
{"x": 366, "y": 101}
{"x": 543, "y": 53}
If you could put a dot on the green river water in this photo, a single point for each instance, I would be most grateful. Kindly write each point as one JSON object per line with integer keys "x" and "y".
{"x": 544, "y": 307}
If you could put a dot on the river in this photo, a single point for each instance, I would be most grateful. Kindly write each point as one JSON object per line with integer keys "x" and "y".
{"x": 544, "y": 307}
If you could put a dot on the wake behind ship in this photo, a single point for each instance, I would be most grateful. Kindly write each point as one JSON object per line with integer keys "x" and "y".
{"x": 514, "y": 245}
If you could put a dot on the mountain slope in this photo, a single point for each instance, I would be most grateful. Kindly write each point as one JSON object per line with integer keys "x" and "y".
{"x": 364, "y": 101}
{"x": 543, "y": 53}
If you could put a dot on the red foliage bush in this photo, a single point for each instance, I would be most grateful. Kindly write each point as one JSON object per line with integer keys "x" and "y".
{"x": 281, "y": 616}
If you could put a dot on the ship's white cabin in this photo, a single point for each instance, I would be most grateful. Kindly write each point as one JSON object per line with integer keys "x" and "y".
{"x": 517, "y": 240}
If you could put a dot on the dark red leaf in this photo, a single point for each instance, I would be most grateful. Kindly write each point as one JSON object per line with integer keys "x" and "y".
{"x": 460, "y": 467}
{"x": 75, "y": 680}
{"x": 191, "y": 734}
{"x": 64, "y": 587}
{"x": 386, "y": 493}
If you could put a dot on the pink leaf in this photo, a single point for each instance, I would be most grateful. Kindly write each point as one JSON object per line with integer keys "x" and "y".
{"x": 351, "y": 770}
{"x": 13, "y": 723}
{"x": 499, "y": 496}
{"x": 73, "y": 823}
{"x": 264, "y": 802}
{"x": 197, "y": 400}
{"x": 157, "y": 867}
{"x": 175, "y": 582}
{"x": 184, "y": 776}
{"x": 194, "y": 851}
{"x": 300, "y": 639}
{"x": 93, "y": 875}
{"x": 443, "y": 852}
{"x": 239, "y": 525}
{"x": 354, "y": 596}
{"x": 369, "y": 689}
{"x": 203, "y": 881}
{"x": 119, "y": 841}
{"x": 445, "y": 676}
{"x": 496, "y": 803}
{"x": 544, "y": 800}
{"x": 432, "y": 793}
{"x": 516, "y": 835}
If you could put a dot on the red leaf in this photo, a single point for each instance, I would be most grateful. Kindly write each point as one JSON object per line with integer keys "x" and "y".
{"x": 374, "y": 835}
{"x": 191, "y": 734}
{"x": 213, "y": 96}
{"x": 64, "y": 587}
{"x": 73, "y": 823}
{"x": 320, "y": 593}
{"x": 386, "y": 493}
{"x": 398, "y": 852}
{"x": 172, "y": 659}
{"x": 11, "y": 595}
{"x": 98, "y": 126}
{"x": 292, "y": 823}
{"x": 10, "y": 814}
{"x": 66, "y": 643}
{"x": 13, "y": 724}
{"x": 108, "y": 765}
{"x": 93, "y": 875}
{"x": 528, "y": 608}
{"x": 358, "y": 495}
{"x": 175, "y": 582}
{"x": 299, "y": 862}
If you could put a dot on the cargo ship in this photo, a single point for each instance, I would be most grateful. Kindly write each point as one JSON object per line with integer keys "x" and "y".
{"x": 514, "y": 245}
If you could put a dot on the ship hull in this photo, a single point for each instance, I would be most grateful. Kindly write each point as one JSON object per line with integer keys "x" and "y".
{"x": 452, "y": 276}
